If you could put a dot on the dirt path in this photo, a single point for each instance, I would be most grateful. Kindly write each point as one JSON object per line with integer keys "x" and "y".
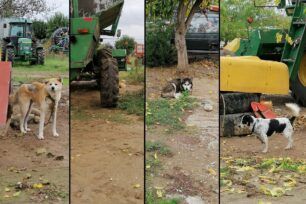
{"x": 107, "y": 152}
{"x": 191, "y": 171}
{"x": 249, "y": 146}
{"x": 19, "y": 162}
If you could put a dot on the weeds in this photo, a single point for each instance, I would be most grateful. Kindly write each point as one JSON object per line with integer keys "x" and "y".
{"x": 55, "y": 66}
{"x": 151, "y": 199}
{"x": 134, "y": 76}
{"x": 169, "y": 112}
{"x": 132, "y": 103}
{"x": 81, "y": 114}
{"x": 158, "y": 147}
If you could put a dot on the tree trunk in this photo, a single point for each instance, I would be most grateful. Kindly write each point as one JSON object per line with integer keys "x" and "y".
{"x": 180, "y": 44}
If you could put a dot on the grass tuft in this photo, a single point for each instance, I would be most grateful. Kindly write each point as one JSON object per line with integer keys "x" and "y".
{"x": 169, "y": 112}
{"x": 151, "y": 199}
{"x": 157, "y": 147}
{"x": 132, "y": 103}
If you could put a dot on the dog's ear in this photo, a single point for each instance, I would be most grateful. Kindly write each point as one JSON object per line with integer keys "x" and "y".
{"x": 60, "y": 79}
{"x": 46, "y": 81}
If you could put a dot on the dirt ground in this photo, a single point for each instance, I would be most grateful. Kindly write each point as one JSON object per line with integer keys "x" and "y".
{"x": 31, "y": 161}
{"x": 249, "y": 146}
{"x": 106, "y": 152}
{"x": 191, "y": 172}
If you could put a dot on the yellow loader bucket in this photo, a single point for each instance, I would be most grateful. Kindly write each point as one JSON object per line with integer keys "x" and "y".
{"x": 250, "y": 74}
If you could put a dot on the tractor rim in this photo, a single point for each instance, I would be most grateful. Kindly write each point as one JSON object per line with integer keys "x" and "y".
{"x": 302, "y": 71}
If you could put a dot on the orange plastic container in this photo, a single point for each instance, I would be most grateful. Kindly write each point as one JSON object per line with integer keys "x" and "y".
{"x": 5, "y": 79}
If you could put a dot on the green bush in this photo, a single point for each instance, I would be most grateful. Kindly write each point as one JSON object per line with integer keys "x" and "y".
{"x": 159, "y": 49}
{"x": 56, "y": 21}
{"x": 39, "y": 29}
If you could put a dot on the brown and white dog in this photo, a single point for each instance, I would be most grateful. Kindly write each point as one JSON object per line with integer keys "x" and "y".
{"x": 38, "y": 93}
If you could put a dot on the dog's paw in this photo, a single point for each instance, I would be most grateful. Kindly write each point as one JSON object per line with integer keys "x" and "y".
{"x": 28, "y": 129}
{"x": 55, "y": 134}
{"x": 264, "y": 151}
{"x": 288, "y": 147}
{"x": 40, "y": 137}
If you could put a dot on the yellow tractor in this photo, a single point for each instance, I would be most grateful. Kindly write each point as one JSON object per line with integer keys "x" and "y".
{"x": 270, "y": 61}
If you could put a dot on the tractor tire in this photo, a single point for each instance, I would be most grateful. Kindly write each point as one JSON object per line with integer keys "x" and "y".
{"x": 298, "y": 91}
{"x": 109, "y": 79}
{"x": 236, "y": 102}
{"x": 3, "y": 51}
{"x": 229, "y": 125}
{"x": 298, "y": 87}
{"x": 41, "y": 56}
{"x": 10, "y": 54}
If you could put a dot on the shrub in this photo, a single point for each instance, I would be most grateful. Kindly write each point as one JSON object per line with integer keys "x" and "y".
{"x": 39, "y": 29}
{"x": 159, "y": 49}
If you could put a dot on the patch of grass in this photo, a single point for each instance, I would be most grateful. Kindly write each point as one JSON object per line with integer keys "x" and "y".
{"x": 152, "y": 163}
{"x": 169, "y": 112}
{"x": 151, "y": 199}
{"x": 224, "y": 172}
{"x": 53, "y": 63}
{"x": 79, "y": 114}
{"x": 158, "y": 147}
{"x": 28, "y": 79}
{"x": 116, "y": 117}
{"x": 55, "y": 66}
{"x": 133, "y": 103}
{"x": 133, "y": 76}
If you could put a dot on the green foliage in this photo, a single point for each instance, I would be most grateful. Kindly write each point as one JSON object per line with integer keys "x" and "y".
{"x": 155, "y": 146}
{"x": 234, "y": 14}
{"x": 134, "y": 76}
{"x": 133, "y": 103}
{"x": 55, "y": 65}
{"x": 56, "y": 21}
{"x": 159, "y": 49}
{"x": 151, "y": 199}
{"x": 160, "y": 9}
{"x": 126, "y": 42}
{"x": 39, "y": 29}
{"x": 169, "y": 112}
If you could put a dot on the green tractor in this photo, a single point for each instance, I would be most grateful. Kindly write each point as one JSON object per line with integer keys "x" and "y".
{"x": 17, "y": 42}
{"x": 89, "y": 20}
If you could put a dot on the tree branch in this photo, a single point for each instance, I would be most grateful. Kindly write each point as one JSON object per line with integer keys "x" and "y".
{"x": 195, "y": 6}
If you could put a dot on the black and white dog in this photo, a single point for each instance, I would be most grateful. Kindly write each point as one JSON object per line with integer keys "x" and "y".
{"x": 264, "y": 128}
{"x": 176, "y": 87}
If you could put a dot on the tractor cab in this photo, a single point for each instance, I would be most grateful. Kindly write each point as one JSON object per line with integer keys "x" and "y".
{"x": 20, "y": 36}
{"x": 17, "y": 32}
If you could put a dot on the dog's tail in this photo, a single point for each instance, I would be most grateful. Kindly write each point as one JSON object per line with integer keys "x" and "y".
{"x": 295, "y": 110}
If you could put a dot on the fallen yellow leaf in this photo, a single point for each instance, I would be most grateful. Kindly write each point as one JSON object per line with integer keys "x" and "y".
{"x": 137, "y": 185}
{"x": 212, "y": 172}
{"x": 38, "y": 185}
{"x": 155, "y": 156}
